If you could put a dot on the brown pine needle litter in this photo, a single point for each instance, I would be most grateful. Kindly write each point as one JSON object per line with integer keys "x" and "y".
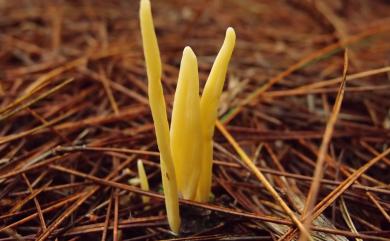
{"x": 302, "y": 142}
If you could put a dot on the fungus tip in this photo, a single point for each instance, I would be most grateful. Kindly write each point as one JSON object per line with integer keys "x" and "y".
{"x": 189, "y": 52}
{"x": 230, "y": 33}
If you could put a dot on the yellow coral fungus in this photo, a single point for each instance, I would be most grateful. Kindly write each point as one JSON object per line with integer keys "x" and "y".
{"x": 186, "y": 154}
{"x": 157, "y": 106}
{"x": 143, "y": 180}
{"x": 185, "y": 126}
{"x": 208, "y": 111}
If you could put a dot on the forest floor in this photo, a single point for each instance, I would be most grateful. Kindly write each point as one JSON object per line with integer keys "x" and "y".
{"x": 74, "y": 119}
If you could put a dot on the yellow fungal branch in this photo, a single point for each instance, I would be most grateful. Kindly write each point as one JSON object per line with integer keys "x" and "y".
{"x": 208, "y": 112}
{"x": 143, "y": 180}
{"x": 185, "y": 126}
{"x": 157, "y": 105}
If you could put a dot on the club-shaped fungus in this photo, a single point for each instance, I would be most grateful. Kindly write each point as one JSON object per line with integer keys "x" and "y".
{"x": 186, "y": 153}
{"x": 208, "y": 112}
{"x": 143, "y": 180}
{"x": 186, "y": 126}
{"x": 159, "y": 114}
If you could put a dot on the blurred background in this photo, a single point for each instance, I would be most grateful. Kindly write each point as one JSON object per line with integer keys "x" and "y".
{"x": 72, "y": 75}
